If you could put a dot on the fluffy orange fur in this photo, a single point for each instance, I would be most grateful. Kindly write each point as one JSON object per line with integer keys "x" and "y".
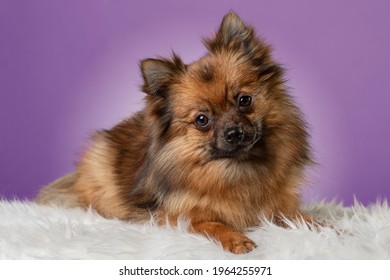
{"x": 219, "y": 142}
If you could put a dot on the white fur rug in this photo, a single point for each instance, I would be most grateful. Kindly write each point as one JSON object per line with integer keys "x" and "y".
{"x": 31, "y": 231}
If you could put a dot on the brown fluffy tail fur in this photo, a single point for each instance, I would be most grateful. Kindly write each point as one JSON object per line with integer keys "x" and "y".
{"x": 60, "y": 193}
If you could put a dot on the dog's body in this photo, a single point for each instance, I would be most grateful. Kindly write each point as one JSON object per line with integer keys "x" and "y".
{"x": 219, "y": 142}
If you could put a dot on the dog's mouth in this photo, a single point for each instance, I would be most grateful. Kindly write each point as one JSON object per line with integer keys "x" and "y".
{"x": 219, "y": 154}
{"x": 239, "y": 151}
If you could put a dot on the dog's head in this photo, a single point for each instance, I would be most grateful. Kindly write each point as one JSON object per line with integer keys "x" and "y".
{"x": 224, "y": 105}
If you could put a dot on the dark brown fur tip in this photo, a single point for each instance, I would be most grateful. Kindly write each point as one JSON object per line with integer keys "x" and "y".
{"x": 207, "y": 73}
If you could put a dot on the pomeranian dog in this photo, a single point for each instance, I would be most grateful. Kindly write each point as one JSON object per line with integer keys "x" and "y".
{"x": 219, "y": 142}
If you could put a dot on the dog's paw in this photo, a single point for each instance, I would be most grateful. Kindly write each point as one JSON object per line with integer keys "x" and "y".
{"x": 231, "y": 240}
{"x": 237, "y": 243}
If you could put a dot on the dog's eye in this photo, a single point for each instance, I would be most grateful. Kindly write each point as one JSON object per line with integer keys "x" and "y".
{"x": 244, "y": 101}
{"x": 202, "y": 121}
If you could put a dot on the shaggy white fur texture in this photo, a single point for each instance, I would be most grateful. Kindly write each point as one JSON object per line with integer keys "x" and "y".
{"x": 31, "y": 231}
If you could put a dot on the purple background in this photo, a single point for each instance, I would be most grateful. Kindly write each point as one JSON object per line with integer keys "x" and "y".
{"x": 69, "y": 67}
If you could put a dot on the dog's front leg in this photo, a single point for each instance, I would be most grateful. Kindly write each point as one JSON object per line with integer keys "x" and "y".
{"x": 230, "y": 239}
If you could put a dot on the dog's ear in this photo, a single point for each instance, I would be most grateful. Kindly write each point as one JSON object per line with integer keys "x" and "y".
{"x": 233, "y": 34}
{"x": 158, "y": 74}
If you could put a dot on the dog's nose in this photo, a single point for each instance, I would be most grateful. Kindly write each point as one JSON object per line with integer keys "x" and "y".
{"x": 233, "y": 135}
